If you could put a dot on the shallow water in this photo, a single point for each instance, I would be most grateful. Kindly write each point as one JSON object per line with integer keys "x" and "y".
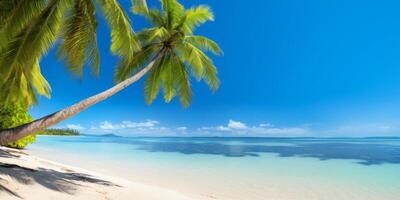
{"x": 242, "y": 168}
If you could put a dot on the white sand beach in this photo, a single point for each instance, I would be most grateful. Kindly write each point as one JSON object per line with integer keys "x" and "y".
{"x": 24, "y": 176}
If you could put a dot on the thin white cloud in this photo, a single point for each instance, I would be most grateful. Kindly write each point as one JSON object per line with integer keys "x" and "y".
{"x": 75, "y": 126}
{"x": 106, "y": 125}
{"x": 236, "y": 125}
{"x": 148, "y": 123}
{"x": 288, "y": 131}
{"x": 221, "y": 128}
{"x": 364, "y": 129}
{"x": 182, "y": 128}
{"x": 266, "y": 125}
{"x": 240, "y": 128}
{"x": 148, "y": 127}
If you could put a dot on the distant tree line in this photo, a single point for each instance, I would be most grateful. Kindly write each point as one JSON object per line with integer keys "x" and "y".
{"x": 64, "y": 132}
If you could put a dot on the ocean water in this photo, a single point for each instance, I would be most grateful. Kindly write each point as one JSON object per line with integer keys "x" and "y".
{"x": 241, "y": 168}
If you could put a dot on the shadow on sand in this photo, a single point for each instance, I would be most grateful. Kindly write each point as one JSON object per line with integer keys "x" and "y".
{"x": 66, "y": 182}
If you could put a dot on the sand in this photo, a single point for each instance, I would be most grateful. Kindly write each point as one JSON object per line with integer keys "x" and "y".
{"x": 23, "y": 176}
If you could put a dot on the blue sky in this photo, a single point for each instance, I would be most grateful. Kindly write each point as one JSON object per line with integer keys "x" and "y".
{"x": 290, "y": 68}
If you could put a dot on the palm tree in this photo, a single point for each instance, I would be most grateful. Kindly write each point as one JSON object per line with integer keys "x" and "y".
{"x": 169, "y": 53}
{"x": 30, "y": 27}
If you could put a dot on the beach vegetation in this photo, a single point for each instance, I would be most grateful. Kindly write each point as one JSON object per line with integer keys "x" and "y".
{"x": 14, "y": 114}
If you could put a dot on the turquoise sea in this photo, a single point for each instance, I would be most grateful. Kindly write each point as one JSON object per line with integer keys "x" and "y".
{"x": 241, "y": 168}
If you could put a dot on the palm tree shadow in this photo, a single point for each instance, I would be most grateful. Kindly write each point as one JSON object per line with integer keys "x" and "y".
{"x": 7, "y": 190}
{"x": 10, "y": 153}
{"x": 66, "y": 182}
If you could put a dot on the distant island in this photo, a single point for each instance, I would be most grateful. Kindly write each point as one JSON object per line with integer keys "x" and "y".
{"x": 63, "y": 132}
{"x": 109, "y": 135}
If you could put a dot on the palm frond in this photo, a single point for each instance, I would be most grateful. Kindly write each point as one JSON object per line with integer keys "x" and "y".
{"x": 153, "y": 35}
{"x": 20, "y": 56}
{"x": 155, "y": 17}
{"x": 23, "y": 86}
{"x": 152, "y": 83}
{"x": 192, "y": 56}
{"x": 201, "y": 65}
{"x": 92, "y": 50}
{"x": 140, "y": 7}
{"x": 15, "y": 16}
{"x": 123, "y": 40}
{"x": 173, "y": 11}
{"x": 79, "y": 38}
{"x": 17, "y": 90}
{"x": 210, "y": 75}
{"x": 167, "y": 77}
{"x": 182, "y": 82}
{"x": 128, "y": 67}
{"x": 194, "y": 17}
{"x": 38, "y": 82}
{"x": 204, "y": 44}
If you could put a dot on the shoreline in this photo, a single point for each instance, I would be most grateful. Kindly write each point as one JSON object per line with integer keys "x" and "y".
{"x": 201, "y": 176}
{"x": 25, "y": 176}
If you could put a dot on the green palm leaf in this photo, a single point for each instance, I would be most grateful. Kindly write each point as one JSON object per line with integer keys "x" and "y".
{"x": 152, "y": 83}
{"x": 204, "y": 44}
{"x": 140, "y": 7}
{"x": 173, "y": 12}
{"x": 128, "y": 67}
{"x": 202, "y": 66}
{"x": 123, "y": 40}
{"x": 153, "y": 35}
{"x": 79, "y": 38}
{"x": 182, "y": 82}
{"x": 194, "y": 17}
{"x": 15, "y": 16}
{"x": 156, "y": 18}
{"x": 193, "y": 57}
{"x": 21, "y": 55}
{"x": 167, "y": 78}
{"x": 38, "y": 82}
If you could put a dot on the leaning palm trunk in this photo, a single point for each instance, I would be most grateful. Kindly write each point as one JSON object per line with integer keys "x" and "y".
{"x": 16, "y": 133}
